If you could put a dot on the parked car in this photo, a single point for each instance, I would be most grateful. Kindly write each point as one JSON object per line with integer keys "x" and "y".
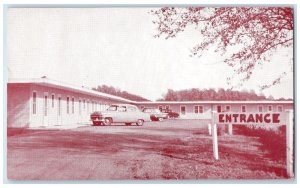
{"x": 155, "y": 114}
{"x": 120, "y": 113}
{"x": 170, "y": 113}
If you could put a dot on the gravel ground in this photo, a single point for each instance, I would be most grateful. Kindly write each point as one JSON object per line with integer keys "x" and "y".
{"x": 173, "y": 149}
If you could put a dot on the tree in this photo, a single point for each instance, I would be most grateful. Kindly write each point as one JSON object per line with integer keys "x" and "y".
{"x": 248, "y": 36}
{"x": 211, "y": 94}
{"x": 117, "y": 92}
{"x": 171, "y": 95}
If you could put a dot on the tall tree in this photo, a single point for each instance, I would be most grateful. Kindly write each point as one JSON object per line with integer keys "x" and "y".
{"x": 248, "y": 36}
{"x": 117, "y": 92}
{"x": 211, "y": 94}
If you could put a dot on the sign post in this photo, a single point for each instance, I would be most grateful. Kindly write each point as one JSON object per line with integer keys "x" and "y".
{"x": 289, "y": 143}
{"x": 215, "y": 141}
{"x": 209, "y": 129}
{"x": 230, "y": 128}
{"x": 215, "y": 137}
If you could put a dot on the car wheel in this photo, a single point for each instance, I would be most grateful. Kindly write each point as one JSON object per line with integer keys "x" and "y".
{"x": 94, "y": 123}
{"x": 140, "y": 122}
{"x": 107, "y": 121}
{"x": 160, "y": 119}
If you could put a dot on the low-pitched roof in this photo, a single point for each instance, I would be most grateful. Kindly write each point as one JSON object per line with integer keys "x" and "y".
{"x": 62, "y": 85}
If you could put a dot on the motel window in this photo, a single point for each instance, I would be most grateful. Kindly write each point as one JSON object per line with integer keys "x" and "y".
{"x": 243, "y": 108}
{"x": 79, "y": 107}
{"x": 279, "y": 109}
{"x": 227, "y": 108}
{"x": 59, "y": 105}
{"x": 45, "y": 105}
{"x": 52, "y": 99}
{"x": 198, "y": 109}
{"x": 260, "y": 109}
{"x": 219, "y": 109}
{"x": 182, "y": 110}
{"x": 167, "y": 107}
{"x": 160, "y": 107}
{"x": 270, "y": 108}
{"x": 72, "y": 105}
{"x": 201, "y": 109}
{"x": 68, "y": 105}
{"x": 34, "y": 103}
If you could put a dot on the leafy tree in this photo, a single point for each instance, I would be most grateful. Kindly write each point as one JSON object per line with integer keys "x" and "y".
{"x": 170, "y": 96}
{"x": 212, "y": 94}
{"x": 117, "y": 92}
{"x": 248, "y": 36}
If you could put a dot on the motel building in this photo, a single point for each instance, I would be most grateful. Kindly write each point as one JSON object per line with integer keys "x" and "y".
{"x": 44, "y": 102}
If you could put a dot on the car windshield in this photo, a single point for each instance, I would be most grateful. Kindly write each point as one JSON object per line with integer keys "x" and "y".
{"x": 112, "y": 108}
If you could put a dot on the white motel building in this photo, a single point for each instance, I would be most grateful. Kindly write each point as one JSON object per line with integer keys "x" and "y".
{"x": 44, "y": 102}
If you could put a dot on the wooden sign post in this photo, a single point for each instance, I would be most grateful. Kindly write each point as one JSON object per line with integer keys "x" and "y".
{"x": 289, "y": 143}
{"x": 209, "y": 129}
{"x": 215, "y": 142}
{"x": 215, "y": 137}
{"x": 230, "y": 128}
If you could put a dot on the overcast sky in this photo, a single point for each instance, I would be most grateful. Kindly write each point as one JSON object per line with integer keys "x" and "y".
{"x": 116, "y": 47}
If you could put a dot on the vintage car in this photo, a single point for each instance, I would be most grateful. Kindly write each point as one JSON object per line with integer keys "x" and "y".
{"x": 120, "y": 113}
{"x": 155, "y": 114}
{"x": 170, "y": 113}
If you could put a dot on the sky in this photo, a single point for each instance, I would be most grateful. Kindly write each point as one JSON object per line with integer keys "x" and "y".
{"x": 116, "y": 47}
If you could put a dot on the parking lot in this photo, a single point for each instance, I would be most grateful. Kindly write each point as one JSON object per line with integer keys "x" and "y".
{"x": 173, "y": 149}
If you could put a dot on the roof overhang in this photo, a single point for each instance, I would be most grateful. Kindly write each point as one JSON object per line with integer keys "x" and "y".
{"x": 61, "y": 85}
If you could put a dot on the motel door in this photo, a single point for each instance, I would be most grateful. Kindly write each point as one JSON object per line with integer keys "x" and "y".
{"x": 182, "y": 110}
{"x": 52, "y": 114}
{"x": 79, "y": 111}
{"x": 59, "y": 110}
{"x": 45, "y": 110}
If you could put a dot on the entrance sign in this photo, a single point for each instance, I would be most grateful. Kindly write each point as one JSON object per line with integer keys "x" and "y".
{"x": 286, "y": 119}
{"x": 236, "y": 118}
